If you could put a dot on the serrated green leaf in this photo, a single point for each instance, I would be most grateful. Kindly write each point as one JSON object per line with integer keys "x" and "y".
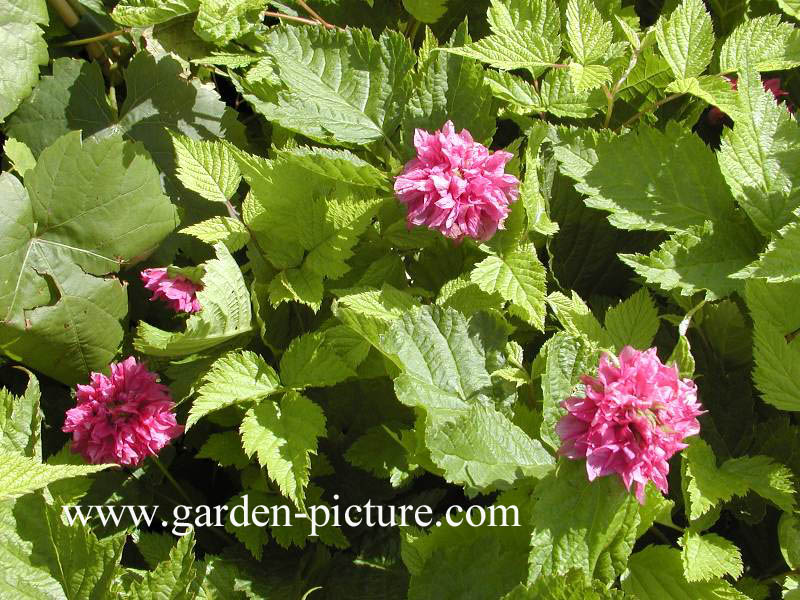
{"x": 778, "y": 262}
{"x": 337, "y": 165}
{"x": 709, "y": 556}
{"x": 56, "y": 239}
{"x": 284, "y": 436}
{"x": 450, "y": 88}
{"x": 226, "y": 449}
{"x": 173, "y": 579}
{"x": 21, "y": 421}
{"x": 577, "y": 319}
{"x": 588, "y": 35}
{"x": 525, "y": 35}
{"x": 224, "y": 313}
{"x": 22, "y": 50}
{"x": 140, "y": 13}
{"x": 708, "y": 484}
{"x": 713, "y": 89}
{"x": 757, "y": 160}
{"x": 297, "y": 285}
{"x": 426, "y": 11}
{"x": 220, "y": 21}
{"x": 206, "y": 167}
{"x": 235, "y": 378}
{"x": 20, "y": 156}
{"x": 789, "y": 538}
{"x": 309, "y": 362}
{"x": 381, "y": 453}
{"x": 598, "y": 536}
{"x": 21, "y": 475}
{"x": 633, "y": 322}
{"x": 572, "y": 586}
{"x": 340, "y": 86}
{"x": 231, "y": 232}
{"x": 588, "y": 77}
{"x": 790, "y": 7}
{"x": 657, "y": 572}
{"x": 764, "y": 43}
{"x": 44, "y": 558}
{"x": 519, "y": 278}
{"x": 686, "y": 39}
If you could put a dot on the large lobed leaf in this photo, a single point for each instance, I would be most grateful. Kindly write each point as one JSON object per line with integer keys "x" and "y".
{"x": 22, "y": 50}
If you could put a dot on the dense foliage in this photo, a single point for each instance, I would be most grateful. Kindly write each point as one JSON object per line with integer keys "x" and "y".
{"x": 321, "y": 352}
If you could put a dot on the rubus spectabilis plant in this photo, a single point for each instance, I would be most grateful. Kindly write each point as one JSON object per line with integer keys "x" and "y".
{"x": 540, "y": 254}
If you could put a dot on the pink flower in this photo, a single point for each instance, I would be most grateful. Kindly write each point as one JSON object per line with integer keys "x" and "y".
{"x": 632, "y": 420}
{"x": 179, "y": 292}
{"x": 455, "y": 185}
{"x": 715, "y": 115}
{"x": 122, "y": 418}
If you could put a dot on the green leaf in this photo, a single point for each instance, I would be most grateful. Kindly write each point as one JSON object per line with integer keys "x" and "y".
{"x": 284, "y": 436}
{"x": 381, "y": 452}
{"x": 525, "y": 35}
{"x": 677, "y": 183}
{"x": 173, "y": 579}
{"x": 338, "y": 165}
{"x": 789, "y": 538}
{"x": 777, "y": 263}
{"x": 231, "y": 232}
{"x": 481, "y": 448}
{"x": 588, "y": 35}
{"x": 686, "y": 39}
{"x": 557, "y": 94}
{"x": 44, "y": 558}
{"x": 140, "y": 13}
{"x": 21, "y": 475}
{"x": 220, "y": 21}
{"x": 57, "y": 241}
{"x": 22, "y": 49}
{"x": 226, "y": 449}
{"x": 21, "y": 421}
{"x": 588, "y": 77}
{"x": 703, "y": 258}
{"x": 206, "y": 167}
{"x": 224, "y": 313}
{"x": 519, "y": 278}
{"x": 235, "y": 378}
{"x": 707, "y": 484}
{"x": 713, "y": 89}
{"x": 426, "y": 11}
{"x": 598, "y": 535}
{"x": 450, "y": 88}
{"x": 572, "y": 586}
{"x": 764, "y": 43}
{"x": 757, "y": 160}
{"x": 444, "y": 360}
{"x": 709, "y": 556}
{"x": 309, "y": 362}
{"x": 790, "y": 7}
{"x": 340, "y": 86}
{"x": 578, "y": 320}
{"x": 657, "y": 572}
{"x": 19, "y": 155}
{"x": 633, "y": 322}
{"x": 371, "y": 312}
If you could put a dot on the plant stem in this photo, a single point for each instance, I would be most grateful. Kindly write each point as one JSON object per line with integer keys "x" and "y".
{"x": 98, "y": 38}
{"x": 649, "y": 109}
{"x": 315, "y": 15}
{"x": 609, "y": 106}
{"x": 172, "y": 480}
{"x": 284, "y": 17}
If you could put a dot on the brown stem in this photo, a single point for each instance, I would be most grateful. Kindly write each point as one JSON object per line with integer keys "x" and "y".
{"x": 649, "y": 109}
{"x": 314, "y": 14}
{"x": 98, "y": 38}
{"x": 284, "y": 17}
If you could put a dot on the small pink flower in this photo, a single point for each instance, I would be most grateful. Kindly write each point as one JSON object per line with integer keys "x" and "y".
{"x": 455, "y": 185}
{"x": 715, "y": 115}
{"x": 632, "y": 421}
{"x": 179, "y": 292}
{"x": 122, "y": 418}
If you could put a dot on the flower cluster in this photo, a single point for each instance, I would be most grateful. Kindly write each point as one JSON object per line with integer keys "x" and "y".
{"x": 455, "y": 185}
{"x": 179, "y": 292}
{"x": 122, "y": 418}
{"x": 633, "y": 419}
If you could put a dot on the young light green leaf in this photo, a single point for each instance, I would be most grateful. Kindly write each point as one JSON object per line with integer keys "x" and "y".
{"x": 55, "y": 242}
{"x": 140, "y": 13}
{"x": 519, "y": 278}
{"x": 284, "y": 436}
{"x": 598, "y": 536}
{"x": 21, "y": 421}
{"x": 525, "y": 35}
{"x": 235, "y": 378}
{"x": 790, "y": 7}
{"x": 657, "y": 572}
{"x": 224, "y": 313}
{"x": 337, "y": 165}
{"x": 173, "y": 579}
{"x": 764, "y": 43}
{"x": 686, "y": 39}
{"x": 633, "y": 322}
{"x": 20, "y": 156}
{"x": 206, "y": 167}
{"x": 381, "y": 453}
{"x": 231, "y": 232}
{"x": 220, "y": 21}
{"x": 20, "y": 475}
{"x": 588, "y": 35}
{"x": 22, "y": 50}
{"x": 778, "y": 262}
{"x": 709, "y": 556}
{"x": 789, "y": 538}
{"x": 757, "y": 160}
{"x": 309, "y": 362}
{"x": 707, "y": 484}
{"x": 226, "y": 449}
{"x": 340, "y": 86}
{"x": 588, "y": 77}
